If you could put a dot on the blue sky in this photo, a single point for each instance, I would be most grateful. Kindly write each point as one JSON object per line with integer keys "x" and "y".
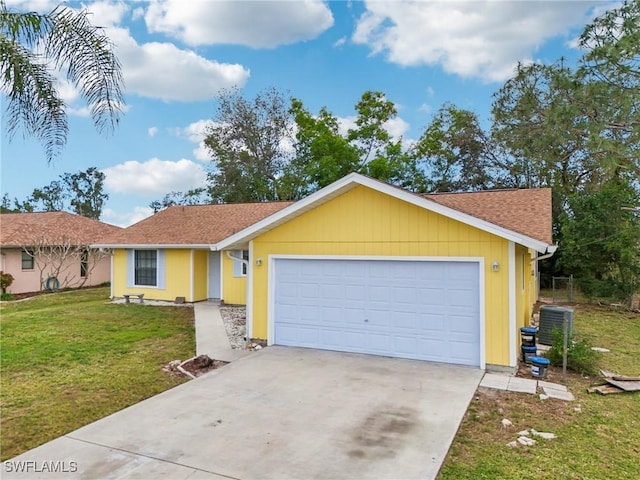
{"x": 178, "y": 54}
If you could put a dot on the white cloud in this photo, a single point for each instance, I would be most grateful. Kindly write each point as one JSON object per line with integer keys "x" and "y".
{"x": 154, "y": 177}
{"x": 483, "y": 39}
{"x": 340, "y": 42}
{"x": 253, "y": 24}
{"x": 396, "y": 127}
{"x": 162, "y": 70}
{"x": 152, "y": 131}
{"x": 127, "y": 218}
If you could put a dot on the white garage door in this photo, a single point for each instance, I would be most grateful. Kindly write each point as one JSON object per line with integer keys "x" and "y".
{"x": 427, "y": 310}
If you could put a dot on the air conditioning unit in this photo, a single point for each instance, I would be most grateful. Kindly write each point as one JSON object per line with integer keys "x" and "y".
{"x": 552, "y": 317}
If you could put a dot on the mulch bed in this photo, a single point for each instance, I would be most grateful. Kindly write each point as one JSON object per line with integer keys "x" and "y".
{"x": 196, "y": 366}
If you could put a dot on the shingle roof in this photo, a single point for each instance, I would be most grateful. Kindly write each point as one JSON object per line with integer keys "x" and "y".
{"x": 193, "y": 224}
{"x": 526, "y": 211}
{"x": 20, "y": 229}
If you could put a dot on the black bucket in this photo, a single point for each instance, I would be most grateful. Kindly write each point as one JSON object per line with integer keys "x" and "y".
{"x": 528, "y": 352}
{"x": 539, "y": 366}
{"x": 528, "y": 336}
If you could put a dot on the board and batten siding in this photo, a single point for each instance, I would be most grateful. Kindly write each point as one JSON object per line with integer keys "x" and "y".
{"x": 364, "y": 222}
{"x": 182, "y": 268}
{"x": 234, "y": 286}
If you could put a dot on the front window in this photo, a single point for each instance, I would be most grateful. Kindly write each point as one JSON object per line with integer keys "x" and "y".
{"x": 146, "y": 267}
{"x": 27, "y": 260}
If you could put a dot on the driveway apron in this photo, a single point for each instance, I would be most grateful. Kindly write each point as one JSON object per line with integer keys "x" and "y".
{"x": 280, "y": 413}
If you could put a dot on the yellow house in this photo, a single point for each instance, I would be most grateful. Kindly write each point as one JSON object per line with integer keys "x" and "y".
{"x": 361, "y": 266}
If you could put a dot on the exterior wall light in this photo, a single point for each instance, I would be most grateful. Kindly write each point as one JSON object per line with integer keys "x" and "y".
{"x": 495, "y": 266}
{"x": 259, "y": 261}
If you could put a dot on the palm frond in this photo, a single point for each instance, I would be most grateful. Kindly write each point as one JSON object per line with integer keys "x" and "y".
{"x": 85, "y": 53}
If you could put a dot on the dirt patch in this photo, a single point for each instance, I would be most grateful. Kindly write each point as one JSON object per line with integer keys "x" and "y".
{"x": 195, "y": 366}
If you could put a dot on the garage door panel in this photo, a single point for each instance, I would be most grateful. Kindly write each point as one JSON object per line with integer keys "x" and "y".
{"x": 413, "y": 309}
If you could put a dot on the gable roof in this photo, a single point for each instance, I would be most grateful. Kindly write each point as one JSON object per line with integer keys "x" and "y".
{"x": 485, "y": 212}
{"x": 192, "y": 225}
{"x": 526, "y": 211}
{"x": 23, "y": 229}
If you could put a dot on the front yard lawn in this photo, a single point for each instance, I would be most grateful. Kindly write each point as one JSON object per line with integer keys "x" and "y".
{"x": 597, "y": 436}
{"x": 71, "y": 358}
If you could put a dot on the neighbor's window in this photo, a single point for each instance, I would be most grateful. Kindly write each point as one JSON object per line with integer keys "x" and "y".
{"x": 146, "y": 267}
{"x": 27, "y": 260}
{"x": 84, "y": 263}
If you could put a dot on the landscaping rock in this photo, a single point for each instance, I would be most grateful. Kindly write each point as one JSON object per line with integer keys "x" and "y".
{"x": 526, "y": 441}
{"x": 523, "y": 433}
{"x": 545, "y": 435}
{"x": 506, "y": 423}
{"x": 512, "y": 444}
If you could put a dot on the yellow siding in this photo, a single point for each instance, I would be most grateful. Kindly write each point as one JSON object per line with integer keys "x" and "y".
{"x": 200, "y": 259}
{"x": 178, "y": 276}
{"x": 233, "y": 288}
{"x": 366, "y": 222}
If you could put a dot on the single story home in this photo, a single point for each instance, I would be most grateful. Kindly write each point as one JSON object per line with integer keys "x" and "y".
{"x": 359, "y": 266}
{"x": 50, "y": 250}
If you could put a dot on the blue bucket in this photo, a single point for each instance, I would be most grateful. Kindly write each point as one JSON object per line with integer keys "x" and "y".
{"x": 528, "y": 352}
{"x": 539, "y": 366}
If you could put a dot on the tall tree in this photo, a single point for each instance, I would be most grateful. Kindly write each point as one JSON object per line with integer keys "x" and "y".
{"x": 601, "y": 240}
{"x": 249, "y": 145}
{"x": 86, "y": 192}
{"x": 455, "y": 152}
{"x": 322, "y": 153}
{"x": 81, "y": 193}
{"x": 33, "y": 48}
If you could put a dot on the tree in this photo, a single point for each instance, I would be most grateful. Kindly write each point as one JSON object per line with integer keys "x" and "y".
{"x": 322, "y": 154}
{"x": 197, "y": 196}
{"x": 612, "y": 42}
{"x": 59, "y": 257}
{"x": 81, "y": 193}
{"x": 455, "y": 152}
{"x": 249, "y": 145}
{"x": 86, "y": 192}
{"x": 601, "y": 240}
{"x": 33, "y": 48}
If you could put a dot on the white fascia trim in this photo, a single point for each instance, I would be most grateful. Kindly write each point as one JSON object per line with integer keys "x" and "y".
{"x": 481, "y": 286}
{"x": 152, "y": 246}
{"x": 354, "y": 179}
{"x": 513, "y": 354}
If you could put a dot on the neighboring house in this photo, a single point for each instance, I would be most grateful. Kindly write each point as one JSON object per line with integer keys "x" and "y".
{"x": 359, "y": 266}
{"x": 51, "y": 250}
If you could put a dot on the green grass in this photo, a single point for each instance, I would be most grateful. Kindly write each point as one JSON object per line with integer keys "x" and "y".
{"x": 71, "y": 358}
{"x": 600, "y": 440}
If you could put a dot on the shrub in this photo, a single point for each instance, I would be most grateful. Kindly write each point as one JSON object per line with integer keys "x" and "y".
{"x": 580, "y": 357}
{"x": 6, "y": 279}
{"x": 6, "y": 296}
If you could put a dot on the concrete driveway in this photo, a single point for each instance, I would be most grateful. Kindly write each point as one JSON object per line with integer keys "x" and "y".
{"x": 281, "y": 413}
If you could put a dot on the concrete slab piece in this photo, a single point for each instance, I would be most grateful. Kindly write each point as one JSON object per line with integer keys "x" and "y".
{"x": 523, "y": 385}
{"x": 282, "y": 413}
{"x": 559, "y": 394}
{"x": 555, "y": 386}
{"x": 495, "y": 380}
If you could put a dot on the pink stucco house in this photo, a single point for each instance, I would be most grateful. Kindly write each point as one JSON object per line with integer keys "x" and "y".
{"x": 50, "y": 250}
